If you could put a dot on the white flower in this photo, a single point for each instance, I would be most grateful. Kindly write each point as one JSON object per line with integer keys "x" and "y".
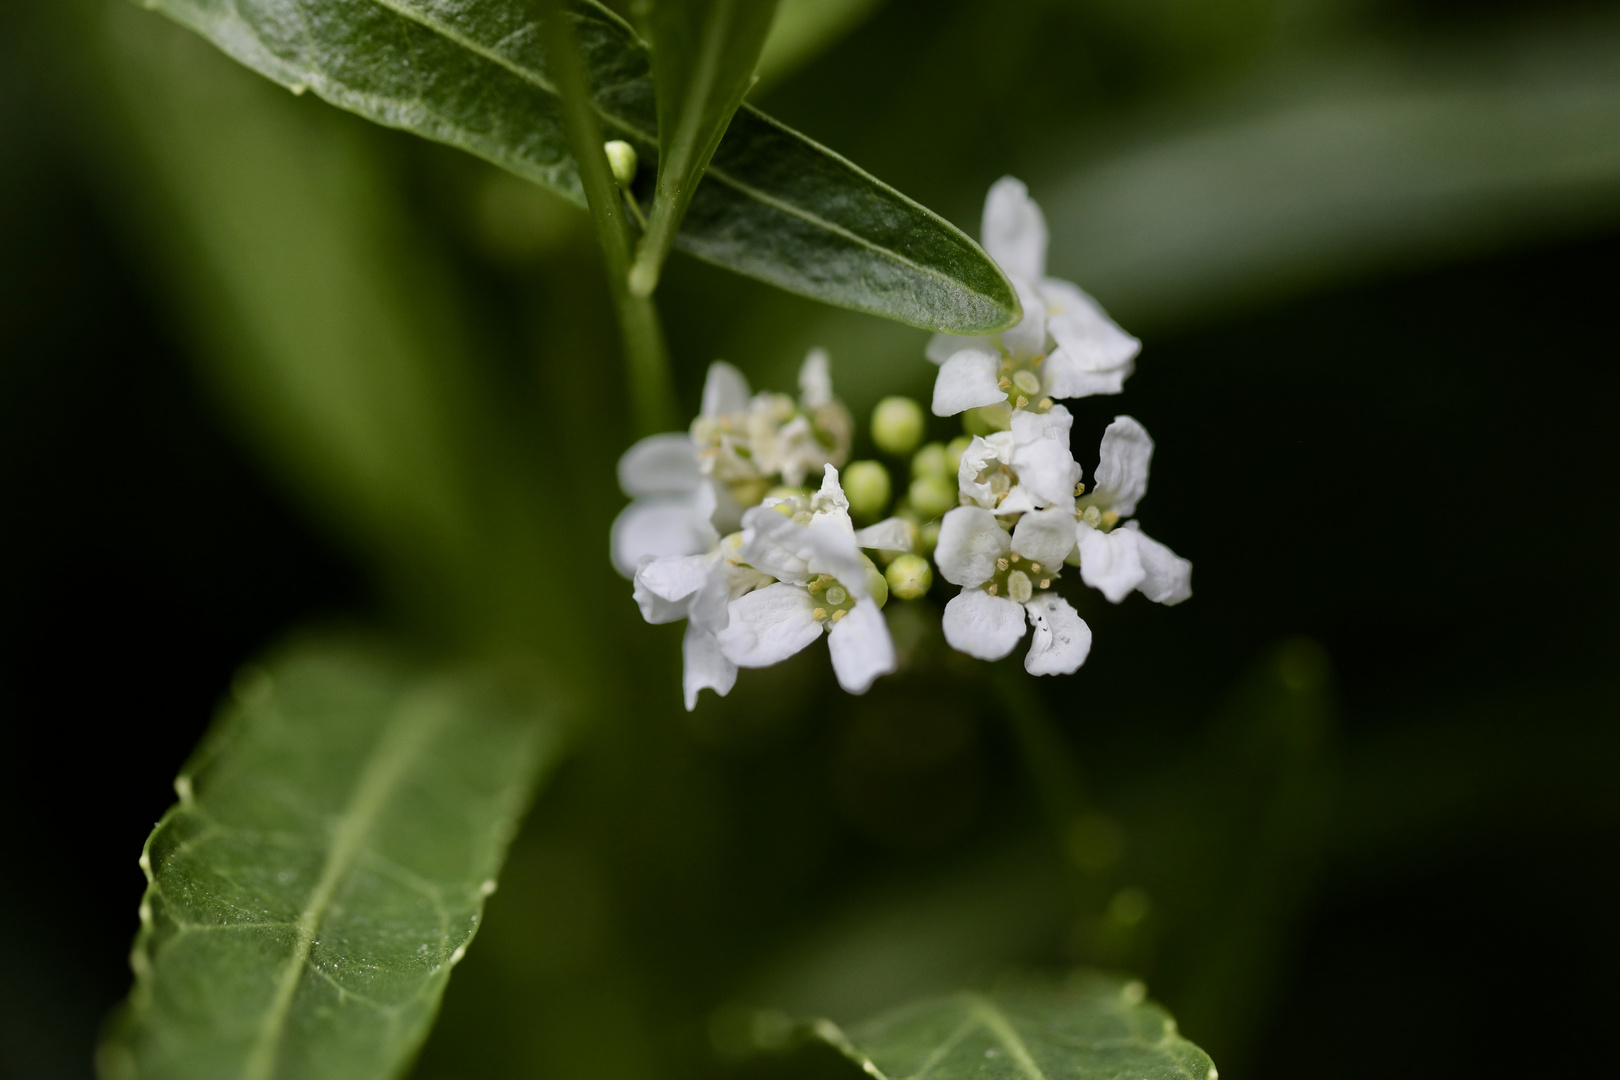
{"x": 1026, "y": 468}
{"x": 747, "y": 442}
{"x": 1065, "y": 346}
{"x": 1004, "y": 579}
{"x": 824, "y": 585}
{"x": 1116, "y": 558}
{"x": 698, "y": 588}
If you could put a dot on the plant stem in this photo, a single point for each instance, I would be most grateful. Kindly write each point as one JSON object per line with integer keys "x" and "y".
{"x": 652, "y": 392}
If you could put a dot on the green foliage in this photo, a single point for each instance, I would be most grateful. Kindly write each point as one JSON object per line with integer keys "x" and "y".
{"x": 778, "y": 206}
{"x": 325, "y": 868}
{"x": 704, "y": 53}
{"x": 1093, "y": 1027}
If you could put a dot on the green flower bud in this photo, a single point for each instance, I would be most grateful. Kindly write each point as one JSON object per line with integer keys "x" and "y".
{"x": 622, "y": 160}
{"x": 928, "y": 537}
{"x": 987, "y": 419}
{"x": 932, "y": 495}
{"x": 954, "y": 450}
{"x": 897, "y": 425}
{"x": 867, "y": 487}
{"x": 875, "y": 582}
{"x": 910, "y": 576}
{"x": 931, "y": 461}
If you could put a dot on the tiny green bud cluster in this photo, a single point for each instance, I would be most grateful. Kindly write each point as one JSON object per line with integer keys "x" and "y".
{"x": 897, "y": 425}
{"x": 622, "y": 160}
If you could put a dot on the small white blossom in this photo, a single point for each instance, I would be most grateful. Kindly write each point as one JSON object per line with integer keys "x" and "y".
{"x": 698, "y": 588}
{"x": 1064, "y": 347}
{"x": 1116, "y": 558}
{"x": 1005, "y": 579}
{"x": 824, "y": 585}
{"x": 1025, "y": 468}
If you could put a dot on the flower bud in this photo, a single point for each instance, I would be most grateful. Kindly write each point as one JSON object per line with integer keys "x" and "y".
{"x": 931, "y": 461}
{"x": 987, "y": 419}
{"x": 954, "y": 450}
{"x": 928, "y": 537}
{"x": 622, "y": 160}
{"x": 867, "y": 487}
{"x": 932, "y": 495}
{"x": 909, "y": 576}
{"x": 897, "y": 425}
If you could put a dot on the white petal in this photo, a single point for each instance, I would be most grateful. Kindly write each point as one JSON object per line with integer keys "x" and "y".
{"x": 1061, "y": 640}
{"x": 1063, "y": 378}
{"x": 815, "y": 380}
{"x": 705, "y": 667}
{"x": 1020, "y": 500}
{"x": 659, "y": 527}
{"x": 725, "y": 390}
{"x": 1055, "y": 424}
{"x": 1082, "y": 330}
{"x": 1168, "y": 577}
{"x": 860, "y": 647}
{"x": 941, "y": 347}
{"x": 970, "y": 542}
{"x": 1110, "y": 562}
{"x": 773, "y": 544}
{"x": 1122, "y": 471}
{"x": 982, "y": 625}
{"x": 1045, "y": 537}
{"x": 1048, "y": 472}
{"x": 1014, "y": 229}
{"x": 966, "y": 381}
{"x": 834, "y": 552}
{"x": 665, "y": 587}
{"x": 1028, "y": 337}
{"x": 768, "y": 626}
{"x": 660, "y": 465}
{"x": 830, "y": 499}
{"x": 890, "y": 534}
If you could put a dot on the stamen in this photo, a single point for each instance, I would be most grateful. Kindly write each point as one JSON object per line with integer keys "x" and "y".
{"x": 1109, "y": 519}
{"x": 1001, "y": 564}
{"x": 839, "y": 614}
{"x": 1046, "y": 403}
{"x": 1037, "y": 361}
{"x": 1004, "y": 382}
{"x": 816, "y": 585}
{"x": 1079, "y": 489}
{"x": 1021, "y": 402}
{"x": 1046, "y": 583}
{"x": 991, "y": 588}
{"x": 820, "y": 614}
{"x": 1034, "y": 567}
{"x": 1013, "y": 557}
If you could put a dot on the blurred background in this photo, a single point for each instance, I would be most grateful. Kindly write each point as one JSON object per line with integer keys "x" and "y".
{"x": 1350, "y": 811}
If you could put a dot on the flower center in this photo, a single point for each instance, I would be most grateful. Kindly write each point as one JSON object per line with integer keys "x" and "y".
{"x": 1098, "y": 518}
{"x": 833, "y": 601}
{"x": 1021, "y": 379}
{"x": 1018, "y": 579}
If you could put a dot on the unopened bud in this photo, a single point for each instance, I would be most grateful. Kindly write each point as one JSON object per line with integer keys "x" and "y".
{"x": 987, "y": 419}
{"x": 954, "y": 450}
{"x": 897, "y": 425}
{"x": 867, "y": 487}
{"x": 931, "y": 460}
{"x": 622, "y": 160}
{"x": 932, "y": 495}
{"x": 909, "y": 576}
{"x": 928, "y": 537}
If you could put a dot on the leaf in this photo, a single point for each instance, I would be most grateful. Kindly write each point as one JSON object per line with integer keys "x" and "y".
{"x": 326, "y": 866}
{"x": 775, "y": 205}
{"x": 1093, "y": 1027}
{"x": 703, "y": 58}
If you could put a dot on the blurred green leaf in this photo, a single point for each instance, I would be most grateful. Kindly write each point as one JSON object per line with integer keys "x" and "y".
{"x": 1343, "y": 164}
{"x": 325, "y": 868}
{"x": 779, "y": 207}
{"x": 703, "y": 57}
{"x": 1093, "y": 1027}
{"x": 804, "y": 28}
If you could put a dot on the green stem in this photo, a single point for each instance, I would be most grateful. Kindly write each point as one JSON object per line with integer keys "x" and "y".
{"x": 652, "y": 392}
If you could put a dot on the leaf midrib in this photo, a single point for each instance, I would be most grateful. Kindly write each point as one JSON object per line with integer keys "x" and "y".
{"x": 409, "y": 729}
{"x": 630, "y": 128}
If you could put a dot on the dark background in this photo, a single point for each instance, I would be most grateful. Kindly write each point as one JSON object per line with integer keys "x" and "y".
{"x": 1414, "y": 470}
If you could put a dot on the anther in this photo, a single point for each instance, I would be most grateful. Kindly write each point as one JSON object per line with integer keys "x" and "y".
{"x": 839, "y": 614}
{"x": 1021, "y": 402}
{"x": 1109, "y": 519}
{"x": 816, "y": 585}
{"x": 1034, "y": 567}
{"x": 1046, "y": 583}
{"x": 991, "y": 588}
{"x": 1079, "y": 490}
{"x": 1012, "y": 558}
{"x": 1004, "y": 382}
{"x": 1037, "y": 361}
{"x": 820, "y": 614}
{"x": 1001, "y": 564}
{"x": 1045, "y": 403}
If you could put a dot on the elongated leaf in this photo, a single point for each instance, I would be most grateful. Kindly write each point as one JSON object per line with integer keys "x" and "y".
{"x": 774, "y": 204}
{"x": 325, "y": 868}
{"x": 704, "y": 54}
{"x": 1094, "y": 1027}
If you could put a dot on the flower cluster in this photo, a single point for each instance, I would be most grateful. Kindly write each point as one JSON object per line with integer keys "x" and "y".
{"x": 722, "y": 534}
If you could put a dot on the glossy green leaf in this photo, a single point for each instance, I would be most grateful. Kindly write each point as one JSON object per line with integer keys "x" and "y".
{"x": 774, "y": 205}
{"x": 703, "y": 58}
{"x": 325, "y": 868}
{"x": 1093, "y": 1027}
